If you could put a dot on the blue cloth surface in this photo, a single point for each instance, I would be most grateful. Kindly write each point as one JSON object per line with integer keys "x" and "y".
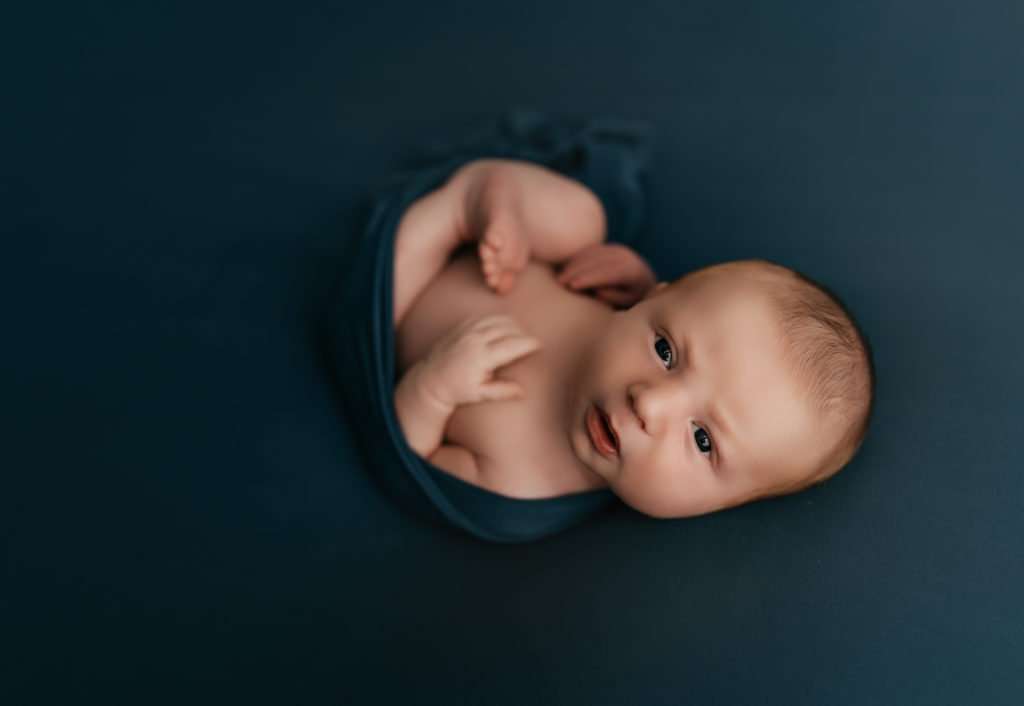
{"x": 185, "y": 512}
{"x": 608, "y": 156}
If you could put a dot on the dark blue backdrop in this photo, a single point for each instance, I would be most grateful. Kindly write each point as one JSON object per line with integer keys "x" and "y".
{"x": 182, "y": 514}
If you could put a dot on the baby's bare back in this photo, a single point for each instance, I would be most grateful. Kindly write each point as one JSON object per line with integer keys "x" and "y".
{"x": 522, "y": 445}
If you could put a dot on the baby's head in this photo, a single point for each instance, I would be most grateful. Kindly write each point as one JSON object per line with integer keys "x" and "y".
{"x": 737, "y": 382}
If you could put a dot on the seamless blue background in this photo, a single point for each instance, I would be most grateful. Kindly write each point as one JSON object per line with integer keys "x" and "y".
{"x": 183, "y": 514}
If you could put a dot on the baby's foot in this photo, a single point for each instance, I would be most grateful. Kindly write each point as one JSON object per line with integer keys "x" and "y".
{"x": 504, "y": 253}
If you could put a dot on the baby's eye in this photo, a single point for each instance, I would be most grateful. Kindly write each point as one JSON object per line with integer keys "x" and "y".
{"x": 702, "y": 436}
{"x": 667, "y": 347}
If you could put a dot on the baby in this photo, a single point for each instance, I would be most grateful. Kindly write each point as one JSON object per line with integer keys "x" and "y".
{"x": 537, "y": 360}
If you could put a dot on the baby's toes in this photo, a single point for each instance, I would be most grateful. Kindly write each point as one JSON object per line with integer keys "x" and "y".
{"x": 510, "y": 248}
{"x": 493, "y": 238}
{"x": 505, "y": 282}
{"x": 485, "y": 251}
{"x": 488, "y": 262}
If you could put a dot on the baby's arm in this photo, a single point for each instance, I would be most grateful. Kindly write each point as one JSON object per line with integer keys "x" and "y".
{"x": 423, "y": 420}
{"x": 421, "y": 414}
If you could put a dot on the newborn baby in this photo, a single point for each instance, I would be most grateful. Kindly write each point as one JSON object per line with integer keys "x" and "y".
{"x": 536, "y": 360}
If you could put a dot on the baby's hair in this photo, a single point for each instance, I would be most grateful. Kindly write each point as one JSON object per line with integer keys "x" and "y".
{"x": 830, "y": 356}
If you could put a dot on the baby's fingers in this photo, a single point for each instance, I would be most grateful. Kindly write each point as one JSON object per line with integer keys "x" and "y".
{"x": 498, "y": 326}
{"x": 490, "y": 326}
{"x": 505, "y": 350}
{"x": 583, "y": 260}
{"x": 594, "y": 276}
{"x": 617, "y": 296}
{"x": 502, "y": 390}
{"x": 577, "y": 266}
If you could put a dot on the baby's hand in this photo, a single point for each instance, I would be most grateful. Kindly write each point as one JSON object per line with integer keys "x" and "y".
{"x": 459, "y": 368}
{"x": 619, "y": 274}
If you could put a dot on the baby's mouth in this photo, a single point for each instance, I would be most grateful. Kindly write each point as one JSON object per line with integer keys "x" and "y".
{"x": 612, "y": 434}
{"x": 601, "y": 433}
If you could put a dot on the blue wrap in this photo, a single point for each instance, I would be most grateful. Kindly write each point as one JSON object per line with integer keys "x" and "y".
{"x": 609, "y": 157}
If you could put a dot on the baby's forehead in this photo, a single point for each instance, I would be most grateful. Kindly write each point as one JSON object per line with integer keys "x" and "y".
{"x": 727, "y": 298}
{"x": 734, "y": 326}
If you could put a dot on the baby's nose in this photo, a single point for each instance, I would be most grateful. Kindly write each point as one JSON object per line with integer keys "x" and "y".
{"x": 631, "y": 402}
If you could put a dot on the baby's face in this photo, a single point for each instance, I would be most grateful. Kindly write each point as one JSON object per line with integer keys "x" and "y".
{"x": 706, "y": 414}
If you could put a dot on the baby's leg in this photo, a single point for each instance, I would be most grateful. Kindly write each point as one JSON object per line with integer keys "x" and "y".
{"x": 520, "y": 210}
{"x": 427, "y": 235}
{"x": 517, "y": 210}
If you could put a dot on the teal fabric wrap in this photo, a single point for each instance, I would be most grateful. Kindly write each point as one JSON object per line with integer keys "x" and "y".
{"x": 610, "y": 158}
